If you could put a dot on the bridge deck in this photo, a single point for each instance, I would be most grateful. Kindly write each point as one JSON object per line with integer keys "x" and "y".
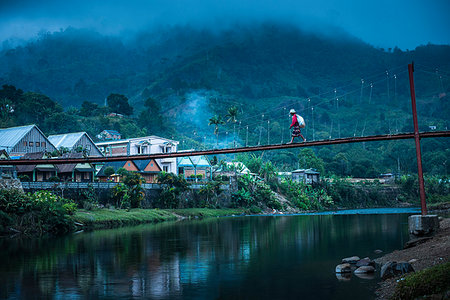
{"x": 373, "y": 138}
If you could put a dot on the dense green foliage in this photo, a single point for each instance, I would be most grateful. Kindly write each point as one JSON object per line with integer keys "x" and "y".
{"x": 437, "y": 188}
{"x": 129, "y": 193}
{"x": 38, "y": 213}
{"x": 254, "y": 192}
{"x": 306, "y": 197}
{"x": 431, "y": 281}
{"x": 173, "y": 186}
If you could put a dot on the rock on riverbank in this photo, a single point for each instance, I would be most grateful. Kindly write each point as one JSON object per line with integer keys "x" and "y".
{"x": 421, "y": 256}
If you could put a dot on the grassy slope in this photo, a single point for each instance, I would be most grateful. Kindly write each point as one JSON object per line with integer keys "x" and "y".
{"x": 107, "y": 218}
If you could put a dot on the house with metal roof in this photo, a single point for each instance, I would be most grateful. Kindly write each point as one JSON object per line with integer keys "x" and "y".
{"x": 308, "y": 176}
{"x": 193, "y": 167}
{"x": 75, "y": 141}
{"x": 80, "y": 172}
{"x": 128, "y": 165}
{"x": 17, "y": 141}
{"x": 36, "y": 172}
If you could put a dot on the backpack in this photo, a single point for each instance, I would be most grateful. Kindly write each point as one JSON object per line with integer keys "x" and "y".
{"x": 301, "y": 121}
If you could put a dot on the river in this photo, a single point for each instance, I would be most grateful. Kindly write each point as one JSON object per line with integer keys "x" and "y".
{"x": 253, "y": 257}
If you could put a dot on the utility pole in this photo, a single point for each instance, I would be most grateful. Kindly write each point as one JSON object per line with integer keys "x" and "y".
{"x": 387, "y": 82}
{"x": 417, "y": 140}
{"x": 361, "y": 95}
{"x": 395, "y": 87}
{"x": 246, "y": 138}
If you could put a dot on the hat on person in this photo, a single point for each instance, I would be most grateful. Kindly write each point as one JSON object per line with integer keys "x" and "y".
{"x": 292, "y": 111}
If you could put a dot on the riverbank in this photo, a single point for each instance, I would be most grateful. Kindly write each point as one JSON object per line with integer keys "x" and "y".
{"x": 113, "y": 218}
{"x": 435, "y": 251}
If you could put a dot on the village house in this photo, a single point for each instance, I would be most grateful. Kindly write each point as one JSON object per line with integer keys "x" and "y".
{"x": 17, "y": 141}
{"x": 143, "y": 145}
{"x": 128, "y": 165}
{"x": 308, "y": 176}
{"x": 36, "y": 172}
{"x": 6, "y": 171}
{"x": 194, "y": 167}
{"x": 149, "y": 169}
{"x": 76, "y": 142}
{"x": 80, "y": 172}
{"x": 109, "y": 135}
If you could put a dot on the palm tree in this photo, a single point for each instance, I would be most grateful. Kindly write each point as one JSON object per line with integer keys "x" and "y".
{"x": 216, "y": 121}
{"x": 232, "y": 117}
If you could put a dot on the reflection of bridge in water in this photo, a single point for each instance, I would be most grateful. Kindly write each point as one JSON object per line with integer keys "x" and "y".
{"x": 374, "y": 138}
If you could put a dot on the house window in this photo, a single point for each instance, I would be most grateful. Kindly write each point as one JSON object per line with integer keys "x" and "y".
{"x": 42, "y": 144}
{"x": 166, "y": 168}
{"x": 24, "y": 143}
{"x": 129, "y": 164}
{"x": 151, "y": 165}
{"x": 38, "y": 144}
{"x": 30, "y": 144}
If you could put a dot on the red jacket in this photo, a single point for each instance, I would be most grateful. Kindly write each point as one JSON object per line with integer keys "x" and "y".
{"x": 294, "y": 121}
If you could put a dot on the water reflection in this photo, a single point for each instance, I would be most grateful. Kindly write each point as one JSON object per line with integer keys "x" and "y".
{"x": 248, "y": 257}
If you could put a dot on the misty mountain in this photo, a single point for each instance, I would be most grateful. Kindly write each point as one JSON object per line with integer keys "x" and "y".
{"x": 268, "y": 60}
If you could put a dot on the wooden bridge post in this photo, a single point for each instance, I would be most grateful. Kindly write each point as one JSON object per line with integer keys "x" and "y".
{"x": 417, "y": 140}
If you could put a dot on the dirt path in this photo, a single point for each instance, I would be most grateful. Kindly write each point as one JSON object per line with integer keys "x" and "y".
{"x": 432, "y": 252}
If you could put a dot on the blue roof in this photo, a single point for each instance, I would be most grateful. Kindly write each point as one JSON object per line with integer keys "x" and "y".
{"x": 112, "y": 131}
{"x": 142, "y": 164}
{"x": 9, "y": 137}
{"x": 193, "y": 161}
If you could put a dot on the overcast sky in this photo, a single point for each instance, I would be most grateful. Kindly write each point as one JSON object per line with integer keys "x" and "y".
{"x": 382, "y": 23}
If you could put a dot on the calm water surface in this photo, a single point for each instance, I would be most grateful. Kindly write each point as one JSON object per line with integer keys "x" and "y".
{"x": 264, "y": 257}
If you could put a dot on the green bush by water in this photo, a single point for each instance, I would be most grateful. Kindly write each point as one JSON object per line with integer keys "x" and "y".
{"x": 434, "y": 280}
{"x": 38, "y": 213}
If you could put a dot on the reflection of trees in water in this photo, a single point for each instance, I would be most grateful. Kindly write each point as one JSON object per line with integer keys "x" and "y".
{"x": 162, "y": 260}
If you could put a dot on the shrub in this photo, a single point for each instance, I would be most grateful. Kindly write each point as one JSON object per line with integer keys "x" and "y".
{"x": 254, "y": 210}
{"x": 306, "y": 197}
{"x": 40, "y": 212}
{"x": 430, "y": 281}
{"x": 173, "y": 186}
{"x": 242, "y": 198}
{"x": 108, "y": 171}
{"x": 54, "y": 179}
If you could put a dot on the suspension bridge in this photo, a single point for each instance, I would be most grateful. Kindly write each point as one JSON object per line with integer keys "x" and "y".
{"x": 374, "y": 138}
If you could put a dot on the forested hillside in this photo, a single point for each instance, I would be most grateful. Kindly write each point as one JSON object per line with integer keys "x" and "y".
{"x": 177, "y": 79}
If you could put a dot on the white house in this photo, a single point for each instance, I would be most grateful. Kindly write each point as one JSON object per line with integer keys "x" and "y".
{"x": 143, "y": 145}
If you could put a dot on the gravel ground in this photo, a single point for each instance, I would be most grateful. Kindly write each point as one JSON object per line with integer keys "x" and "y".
{"x": 432, "y": 252}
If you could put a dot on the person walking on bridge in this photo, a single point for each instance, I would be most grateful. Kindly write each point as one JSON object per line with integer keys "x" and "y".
{"x": 297, "y": 123}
